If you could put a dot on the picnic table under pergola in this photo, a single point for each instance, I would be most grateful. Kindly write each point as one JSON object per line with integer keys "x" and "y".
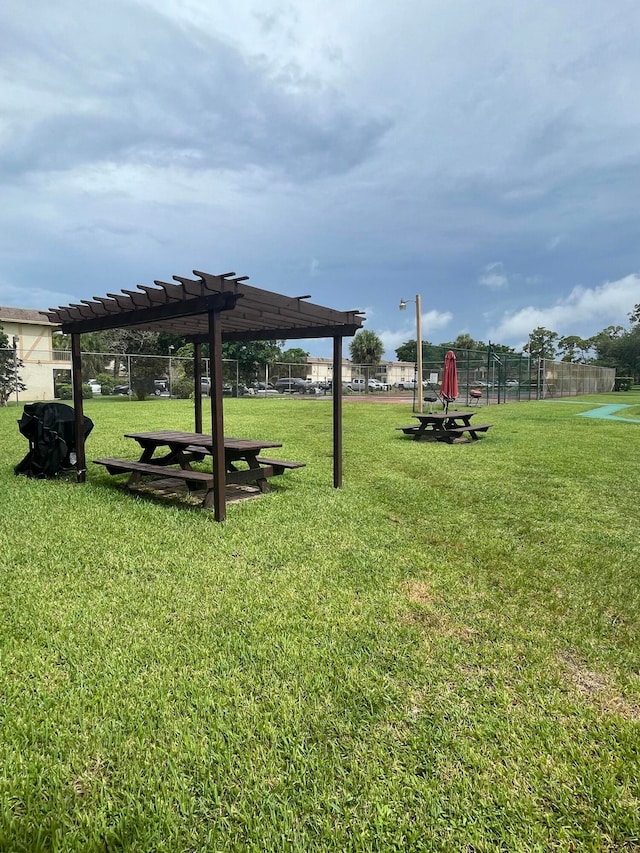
{"x": 209, "y": 309}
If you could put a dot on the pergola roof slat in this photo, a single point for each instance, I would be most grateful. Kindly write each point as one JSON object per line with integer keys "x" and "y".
{"x": 58, "y": 315}
{"x": 140, "y": 300}
{"x": 124, "y": 302}
{"x": 190, "y": 287}
{"x": 172, "y": 291}
{"x": 155, "y": 294}
{"x": 110, "y": 305}
{"x": 75, "y": 313}
{"x": 83, "y": 309}
{"x": 96, "y": 307}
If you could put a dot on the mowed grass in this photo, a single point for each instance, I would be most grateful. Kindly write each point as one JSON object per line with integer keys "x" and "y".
{"x": 443, "y": 655}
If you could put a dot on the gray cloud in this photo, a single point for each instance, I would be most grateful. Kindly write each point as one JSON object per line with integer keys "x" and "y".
{"x": 170, "y": 95}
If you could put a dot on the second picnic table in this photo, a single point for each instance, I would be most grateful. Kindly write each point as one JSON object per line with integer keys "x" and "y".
{"x": 444, "y": 426}
{"x": 183, "y": 448}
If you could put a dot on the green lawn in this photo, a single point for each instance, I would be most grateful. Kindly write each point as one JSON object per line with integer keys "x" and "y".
{"x": 443, "y": 655}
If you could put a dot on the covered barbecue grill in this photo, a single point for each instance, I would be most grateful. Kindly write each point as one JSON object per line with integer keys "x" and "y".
{"x": 51, "y": 431}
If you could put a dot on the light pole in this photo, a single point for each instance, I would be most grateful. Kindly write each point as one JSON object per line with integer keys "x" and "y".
{"x": 403, "y": 307}
{"x": 171, "y": 348}
{"x": 16, "y": 341}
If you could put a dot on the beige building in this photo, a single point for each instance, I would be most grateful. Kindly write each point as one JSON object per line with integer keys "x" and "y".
{"x": 389, "y": 372}
{"x": 31, "y": 332}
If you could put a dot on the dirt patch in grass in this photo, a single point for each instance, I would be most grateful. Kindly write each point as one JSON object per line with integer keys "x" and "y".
{"x": 417, "y": 703}
{"x": 418, "y": 592}
{"x": 424, "y": 611}
{"x": 597, "y": 688}
{"x": 96, "y": 773}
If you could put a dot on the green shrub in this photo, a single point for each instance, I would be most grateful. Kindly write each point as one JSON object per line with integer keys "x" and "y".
{"x": 107, "y": 382}
{"x": 65, "y": 392}
{"x": 182, "y": 388}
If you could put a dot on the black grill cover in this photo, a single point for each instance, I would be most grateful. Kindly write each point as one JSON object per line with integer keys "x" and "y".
{"x": 51, "y": 430}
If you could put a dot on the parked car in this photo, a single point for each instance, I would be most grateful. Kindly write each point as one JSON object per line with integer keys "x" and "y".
{"x": 376, "y": 385}
{"x": 205, "y": 387}
{"x": 230, "y": 389}
{"x": 160, "y": 387}
{"x": 291, "y": 385}
{"x": 407, "y": 385}
{"x": 360, "y": 383}
{"x": 121, "y": 389}
{"x": 315, "y": 388}
{"x": 96, "y": 387}
{"x": 262, "y": 389}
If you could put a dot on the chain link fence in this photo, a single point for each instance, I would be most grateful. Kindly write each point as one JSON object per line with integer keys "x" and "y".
{"x": 492, "y": 376}
{"x": 563, "y": 379}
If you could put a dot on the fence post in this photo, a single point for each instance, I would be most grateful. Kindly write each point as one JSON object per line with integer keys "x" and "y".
{"x": 540, "y": 395}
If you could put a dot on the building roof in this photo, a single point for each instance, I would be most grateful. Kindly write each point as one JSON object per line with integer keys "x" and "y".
{"x": 24, "y": 315}
{"x": 246, "y": 313}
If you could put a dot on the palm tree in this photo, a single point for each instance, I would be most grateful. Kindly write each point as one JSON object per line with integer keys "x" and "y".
{"x": 366, "y": 348}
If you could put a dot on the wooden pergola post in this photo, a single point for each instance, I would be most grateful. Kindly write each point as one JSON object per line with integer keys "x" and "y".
{"x": 217, "y": 419}
{"x": 76, "y": 381}
{"x": 336, "y": 393}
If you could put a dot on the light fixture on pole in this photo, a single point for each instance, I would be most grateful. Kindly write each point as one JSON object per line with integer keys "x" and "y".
{"x": 403, "y": 307}
{"x": 171, "y": 348}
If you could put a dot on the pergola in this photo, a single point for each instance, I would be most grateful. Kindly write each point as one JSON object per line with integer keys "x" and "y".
{"x": 214, "y": 309}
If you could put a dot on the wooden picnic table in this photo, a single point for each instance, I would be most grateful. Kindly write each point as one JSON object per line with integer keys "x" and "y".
{"x": 183, "y": 448}
{"x": 444, "y": 426}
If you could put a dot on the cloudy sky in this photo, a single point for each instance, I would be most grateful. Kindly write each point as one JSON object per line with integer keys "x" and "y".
{"x": 483, "y": 154}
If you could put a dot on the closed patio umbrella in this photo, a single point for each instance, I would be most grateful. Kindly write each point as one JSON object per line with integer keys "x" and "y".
{"x": 449, "y": 388}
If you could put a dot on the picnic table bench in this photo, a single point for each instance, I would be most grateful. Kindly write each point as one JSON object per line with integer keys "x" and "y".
{"x": 182, "y": 448}
{"x": 198, "y": 453}
{"x": 444, "y": 426}
{"x": 279, "y": 465}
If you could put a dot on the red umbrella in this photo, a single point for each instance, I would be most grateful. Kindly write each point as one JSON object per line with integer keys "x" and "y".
{"x": 449, "y": 387}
